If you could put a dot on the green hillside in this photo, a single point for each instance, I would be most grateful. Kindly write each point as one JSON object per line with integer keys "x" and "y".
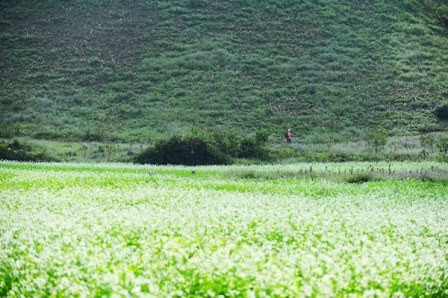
{"x": 130, "y": 70}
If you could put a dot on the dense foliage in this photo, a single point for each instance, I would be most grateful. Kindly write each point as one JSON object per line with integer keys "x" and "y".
{"x": 22, "y": 152}
{"x": 205, "y": 148}
{"x": 182, "y": 151}
{"x": 100, "y": 70}
{"x": 442, "y": 112}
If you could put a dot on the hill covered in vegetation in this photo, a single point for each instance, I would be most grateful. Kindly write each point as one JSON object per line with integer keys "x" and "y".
{"x": 131, "y": 70}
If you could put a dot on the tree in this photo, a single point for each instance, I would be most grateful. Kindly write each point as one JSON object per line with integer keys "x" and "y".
{"x": 376, "y": 140}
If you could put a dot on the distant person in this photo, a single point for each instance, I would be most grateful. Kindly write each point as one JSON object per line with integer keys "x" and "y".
{"x": 288, "y": 136}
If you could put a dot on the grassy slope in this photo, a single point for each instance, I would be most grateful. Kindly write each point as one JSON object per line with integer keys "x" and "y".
{"x": 93, "y": 69}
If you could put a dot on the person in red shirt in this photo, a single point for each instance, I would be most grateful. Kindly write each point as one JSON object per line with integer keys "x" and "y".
{"x": 288, "y": 136}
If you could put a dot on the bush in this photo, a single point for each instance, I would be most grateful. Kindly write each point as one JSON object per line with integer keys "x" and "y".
{"x": 442, "y": 112}
{"x": 248, "y": 149}
{"x": 226, "y": 142}
{"x": 204, "y": 147}
{"x": 361, "y": 178}
{"x": 376, "y": 140}
{"x": 253, "y": 147}
{"x": 190, "y": 151}
{"x": 22, "y": 152}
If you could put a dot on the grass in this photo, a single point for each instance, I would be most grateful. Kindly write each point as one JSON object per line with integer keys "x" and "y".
{"x": 119, "y": 229}
{"x": 125, "y": 72}
{"x": 425, "y": 147}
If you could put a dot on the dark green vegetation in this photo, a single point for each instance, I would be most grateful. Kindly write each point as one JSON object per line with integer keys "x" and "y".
{"x": 22, "y": 152}
{"x": 182, "y": 151}
{"x": 131, "y": 71}
{"x": 230, "y": 147}
{"x": 206, "y": 148}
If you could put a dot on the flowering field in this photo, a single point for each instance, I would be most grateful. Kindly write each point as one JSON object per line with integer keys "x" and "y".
{"x": 302, "y": 230}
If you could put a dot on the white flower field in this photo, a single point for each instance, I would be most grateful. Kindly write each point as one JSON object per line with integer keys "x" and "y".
{"x": 115, "y": 230}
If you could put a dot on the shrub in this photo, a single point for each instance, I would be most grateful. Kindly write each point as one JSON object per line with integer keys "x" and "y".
{"x": 227, "y": 142}
{"x": 361, "y": 178}
{"x": 232, "y": 144}
{"x": 22, "y": 152}
{"x": 376, "y": 140}
{"x": 177, "y": 150}
{"x": 442, "y": 112}
{"x": 248, "y": 148}
{"x": 254, "y": 146}
{"x": 205, "y": 147}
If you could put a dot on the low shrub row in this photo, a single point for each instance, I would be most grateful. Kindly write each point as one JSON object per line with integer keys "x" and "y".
{"x": 205, "y": 148}
{"x": 22, "y": 152}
